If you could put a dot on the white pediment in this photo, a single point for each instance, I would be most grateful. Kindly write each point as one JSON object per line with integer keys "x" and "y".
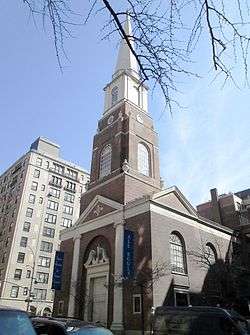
{"x": 173, "y": 197}
{"x": 97, "y": 206}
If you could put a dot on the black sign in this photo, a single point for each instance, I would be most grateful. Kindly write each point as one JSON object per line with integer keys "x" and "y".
{"x": 57, "y": 274}
{"x": 128, "y": 255}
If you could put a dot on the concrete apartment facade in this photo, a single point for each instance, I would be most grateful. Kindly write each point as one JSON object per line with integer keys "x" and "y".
{"x": 39, "y": 195}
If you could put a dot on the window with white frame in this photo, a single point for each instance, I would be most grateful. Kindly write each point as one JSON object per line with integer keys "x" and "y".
{"x": 40, "y": 294}
{"x": 136, "y": 303}
{"x": 46, "y": 246}
{"x": 54, "y": 192}
{"x": 32, "y": 198}
{"x": 48, "y": 232}
{"x": 67, "y": 209}
{"x": 39, "y": 161}
{"x": 114, "y": 95}
{"x": 34, "y": 185}
{"x": 66, "y": 222}
{"x": 70, "y": 186}
{"x": 42, "y": 277}
{"x": 44, "y": 261}
{"x": 50, "y": 218}
{"x": 177, "y": 254}
{"x": 52, "y": 205}
{"x": 36, "y": 173}
{"x": 20, "y": 257}
{"x": 69, "y": 197}
{"x": 29, "y": 212}
{"x": 143, "y": 159}
{"x": 58, "y": 168}
{"x": 14, "y": 291}
{"x": 56, "y": 181}
{"x": 72, "y": 174}
{"x": 25, "y": 291}
{"x": 26, "y": 226}
{"x": 18, "y": 274}
{"x": 105, "y": 161}
{"x": 24, "y": 241}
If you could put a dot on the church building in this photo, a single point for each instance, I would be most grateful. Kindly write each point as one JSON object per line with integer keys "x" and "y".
{"x": 135, "y": 245}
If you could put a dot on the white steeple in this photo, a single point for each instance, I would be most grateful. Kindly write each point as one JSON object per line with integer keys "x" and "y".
{"x": 125, "y": 85}
{"x": 126, "y": 61}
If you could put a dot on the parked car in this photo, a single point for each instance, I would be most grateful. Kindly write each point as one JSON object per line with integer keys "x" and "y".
{"x": 15, "y": 322}
{"x": 63, "y": 326}
{"x": 197, "y": 321}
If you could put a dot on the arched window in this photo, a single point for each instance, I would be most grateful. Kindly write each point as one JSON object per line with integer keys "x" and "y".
{"x": 177, "y": 254}
{"x": 105, "y": 161}
{"x": 210, "y": 254}
{"x": 143, "y": 159}
{"x": 114, "y": 95}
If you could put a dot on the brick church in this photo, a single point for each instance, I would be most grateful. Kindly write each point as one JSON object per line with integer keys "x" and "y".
{"x": 132, "y": 246}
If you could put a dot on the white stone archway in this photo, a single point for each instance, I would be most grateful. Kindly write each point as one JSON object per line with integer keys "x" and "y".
{"x": 96, "y": 289}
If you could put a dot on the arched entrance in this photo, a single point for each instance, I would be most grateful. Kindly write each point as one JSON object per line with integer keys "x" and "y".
{"x": 47, "y": 312}
{"x": 97, "y": 278}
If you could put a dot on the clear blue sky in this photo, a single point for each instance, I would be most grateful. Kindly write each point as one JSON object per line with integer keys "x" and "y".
{"x": 203, "y": 146}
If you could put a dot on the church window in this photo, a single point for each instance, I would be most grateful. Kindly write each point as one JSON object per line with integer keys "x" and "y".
{"x": 143, "y": 159}
{"x": 114, "y": 95}
{"x": 105, "y": 161}
{"x": 136, "y": 303}
{"x": 210, "y": 254}
{"x": 177, "y": 253}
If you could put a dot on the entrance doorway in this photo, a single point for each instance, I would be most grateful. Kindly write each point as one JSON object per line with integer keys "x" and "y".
{"x": 98, "y": 299}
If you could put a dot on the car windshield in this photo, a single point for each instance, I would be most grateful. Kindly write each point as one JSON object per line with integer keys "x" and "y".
{"x": 182, "y": 323}
{"x": 15, "y": 323}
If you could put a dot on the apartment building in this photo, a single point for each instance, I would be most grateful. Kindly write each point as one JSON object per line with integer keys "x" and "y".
{"x": 39, "y": 196}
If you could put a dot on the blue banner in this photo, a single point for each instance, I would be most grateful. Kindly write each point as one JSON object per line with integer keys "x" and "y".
{"x": 128, "y": 255}
{"x": 57, "y": 274}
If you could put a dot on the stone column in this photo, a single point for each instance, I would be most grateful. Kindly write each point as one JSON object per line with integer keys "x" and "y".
{"x": 74, "y": 275}
{"x": 117, "y": 324}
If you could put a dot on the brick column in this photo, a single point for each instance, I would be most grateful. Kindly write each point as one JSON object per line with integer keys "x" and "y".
{"x": 74, "y": 274}
{"x": 117, "y": 324}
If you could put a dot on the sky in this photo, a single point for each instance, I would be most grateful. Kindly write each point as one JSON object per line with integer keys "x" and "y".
{"x": 202, "y": 146}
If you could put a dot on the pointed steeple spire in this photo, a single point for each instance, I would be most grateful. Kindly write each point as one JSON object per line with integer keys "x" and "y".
{"x": 126, "y": 61}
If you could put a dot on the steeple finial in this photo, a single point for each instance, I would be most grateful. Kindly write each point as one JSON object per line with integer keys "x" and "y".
{"x": 126, "y": 60}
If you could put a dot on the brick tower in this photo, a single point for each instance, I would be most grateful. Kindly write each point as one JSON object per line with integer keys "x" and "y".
{"x": 125, "y": 157}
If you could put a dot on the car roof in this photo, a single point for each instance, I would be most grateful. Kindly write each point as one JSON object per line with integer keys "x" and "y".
{"x": 11, "y": 309}
{"x": 200, "y": 309}
{"x": 64, "y": 322}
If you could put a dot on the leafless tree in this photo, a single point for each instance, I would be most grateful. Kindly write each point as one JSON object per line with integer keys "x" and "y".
{"x": 165, "y": 34}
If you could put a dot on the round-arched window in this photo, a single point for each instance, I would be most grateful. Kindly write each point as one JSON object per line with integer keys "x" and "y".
{"x": 210, "y": 254}
{"x": 177, "y": 254}
{"x": 143, "y": 159}
{"x": 105, "y": 161}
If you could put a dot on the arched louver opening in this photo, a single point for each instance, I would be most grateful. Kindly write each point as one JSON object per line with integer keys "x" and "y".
{"x": 143, "y": 159}
{"x": 105, "y": 161}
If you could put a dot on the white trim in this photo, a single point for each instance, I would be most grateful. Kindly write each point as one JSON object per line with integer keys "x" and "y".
{"x": 180, "y": 196}
{"x": 93, "y": 203}
{"x": 190, "y": 221}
